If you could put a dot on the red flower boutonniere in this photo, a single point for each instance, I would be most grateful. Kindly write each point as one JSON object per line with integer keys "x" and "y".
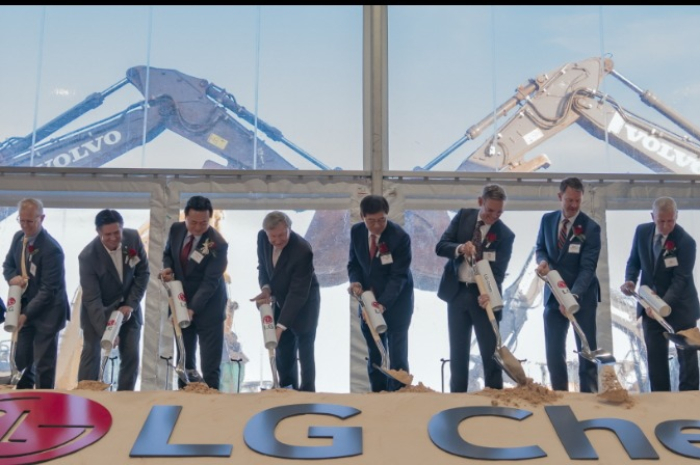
{"x": 383, "y": 248}
{"x": 490, "y": 239}
{"x": 669, "y": 248}
{"x": 31, "y": 249}
{"x": 578, "y": 233}
{"x": 130, "y": 256}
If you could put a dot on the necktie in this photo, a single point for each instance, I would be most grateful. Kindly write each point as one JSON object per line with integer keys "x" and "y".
{"x": 24, "y": 259}
{"x": 275, "y": 256}
{"x": 562, "y": 234}
{"x": 658, "y": 239}
{"x": 478, "y": 240}
{"x": 185, "y": 253}
{"x": 373, "y": 247}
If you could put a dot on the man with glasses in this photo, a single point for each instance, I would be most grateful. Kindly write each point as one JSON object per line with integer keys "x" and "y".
{"x": 472, "y": 235}
{"x": 196, "y": 255}
{"x": 380, "y": 261}
{"x": 35, "y": 262}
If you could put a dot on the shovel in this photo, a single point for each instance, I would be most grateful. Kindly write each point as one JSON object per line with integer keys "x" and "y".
{"x": 678, "y": 339}
{"x": 15, "y": 374}
{"x": 180, "y": 367}
{"x": 600, "y": 356}
{"x": 505, "y": 359}
{"x": 398, "y": 375}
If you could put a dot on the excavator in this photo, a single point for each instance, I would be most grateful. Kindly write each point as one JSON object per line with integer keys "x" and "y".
{"x": 211, "y": 117}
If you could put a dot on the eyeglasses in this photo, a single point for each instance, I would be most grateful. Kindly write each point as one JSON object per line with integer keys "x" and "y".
{"x": 373, "y": 221}
{"x": 27, "y": 222}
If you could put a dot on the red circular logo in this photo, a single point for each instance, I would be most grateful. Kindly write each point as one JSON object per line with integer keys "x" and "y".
{"x": 181, "y": 297}
{"x": 11, "y": 301}
{"x": 267, "y": 319}
{"x": 41, "y": 426}
{"x": 561, "y": 284}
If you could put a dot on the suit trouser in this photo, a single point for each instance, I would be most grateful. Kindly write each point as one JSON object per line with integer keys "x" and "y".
{"x": 37, "y": 352}
{"x": 657, "y": 360}
{"x": 556, "y": 330}
{"x": 395, "y": 343}
{"x": 463, "y": 314}
{"x": 91, "y": 355}
{"x": 211, "y": 346}
{"x": 291, "y": 345}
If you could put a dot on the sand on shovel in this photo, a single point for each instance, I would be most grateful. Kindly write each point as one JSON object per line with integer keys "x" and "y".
{"x": 610, "y": 388}
{"x": 401, "y": 376}
{"x": 692, "y": 335}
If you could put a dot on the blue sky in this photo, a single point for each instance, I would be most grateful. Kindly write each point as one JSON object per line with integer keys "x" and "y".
{"x": 300, "y": 69}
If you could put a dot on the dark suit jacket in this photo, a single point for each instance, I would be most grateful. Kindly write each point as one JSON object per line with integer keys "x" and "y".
{"x": 675, "y": 285}
{"x": 578, "y": 270}
{"x": 461, "y": 230}
{"x": 392, "y": 284}
{"x": 102, "y": 290}
{"x": 293, "y": 282}
{"x": 204, "y": 284}
{"x": 45, "y": 302}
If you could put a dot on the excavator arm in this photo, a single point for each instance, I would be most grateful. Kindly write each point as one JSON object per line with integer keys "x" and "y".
{"x": 550, "y": 103}
{"x": 191, "y": 107}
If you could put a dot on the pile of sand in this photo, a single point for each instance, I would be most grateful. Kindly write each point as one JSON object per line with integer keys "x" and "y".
{"x": 200, "y": 388}
{"x": 92, "y": 385}
{"x": 531, "y": 393}
{"x": 419, "y": 388}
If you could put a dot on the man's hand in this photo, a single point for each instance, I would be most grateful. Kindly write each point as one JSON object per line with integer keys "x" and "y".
{"x": 355, "y": 289}
{"x": 263, "y": 297}
{"x": 190, "y": 313}
{"x": 19, "y": 281}
{"x": 562, "y": 309}
{"x": 542, "y": 268}
{"x": 484, "y": 300}
{"x": 627, "y": 288}
{"x": 20, "y": 321}
{"x": 167, "y": 275}
{"x": 126, "y": 311}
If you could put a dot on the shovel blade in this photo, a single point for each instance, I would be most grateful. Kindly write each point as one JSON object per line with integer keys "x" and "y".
{"x": 681, "y": 341}
{"x": 511, "y": 365}
{"x": 401, "y": 377}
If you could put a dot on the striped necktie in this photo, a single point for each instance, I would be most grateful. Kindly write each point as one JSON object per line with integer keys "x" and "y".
{"x": 562, "y": 234}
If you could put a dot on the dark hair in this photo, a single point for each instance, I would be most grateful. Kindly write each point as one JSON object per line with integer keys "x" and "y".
{"x": 108, "y": 216}
{"x": 373, "y": 204}
{"x": 494, "y": 192}
{"x": 199, "y": 203}
{"x": 572, "y": 182}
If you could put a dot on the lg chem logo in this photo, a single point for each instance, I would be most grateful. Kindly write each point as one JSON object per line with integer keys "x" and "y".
{"x": 40, "y": 426}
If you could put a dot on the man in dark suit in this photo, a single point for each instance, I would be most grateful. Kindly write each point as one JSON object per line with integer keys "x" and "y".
{"x": 569, "y": 242}
{"x": 113, "y": 276}
{"x": 478, "y": 233}
{"x": 387, "y": 273}
{"x": 286, "y": 272}
{"x": 35, "y": 261}
{"x": 196, "y": 255}
{"x": 669, "y": 273}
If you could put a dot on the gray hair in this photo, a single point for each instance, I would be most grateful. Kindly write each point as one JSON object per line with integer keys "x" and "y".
{"x": 665, "y": 204}
{"x": 36, "y": 203}
{"x": 273, "y": 219}
{"x": 493, "y": 192}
